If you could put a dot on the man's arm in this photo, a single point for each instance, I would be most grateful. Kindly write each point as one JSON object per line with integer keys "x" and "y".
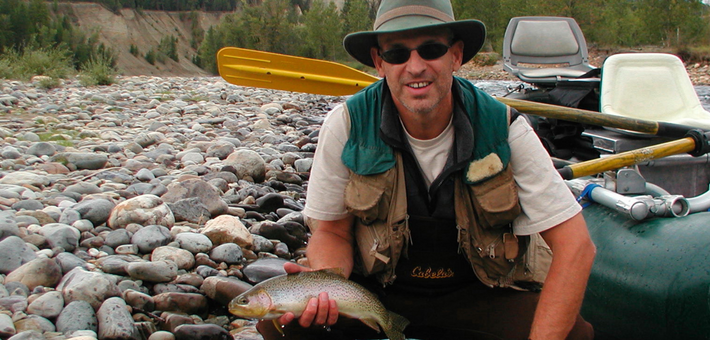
{"x": 563, "y": 291}
{"x": 330, "y": 246}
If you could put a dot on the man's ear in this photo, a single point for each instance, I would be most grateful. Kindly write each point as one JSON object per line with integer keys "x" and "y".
{"x": 457, "y": 53}
{"x": 377, "y": 61}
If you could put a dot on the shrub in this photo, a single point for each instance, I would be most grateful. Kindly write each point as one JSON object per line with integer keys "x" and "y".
{"x": 97, "y": 72}
{"x": 150, "y": 56}
{"x": 134, "y": 50}
{"x": 485, "y": 59}
{"x": 53, "y": 63}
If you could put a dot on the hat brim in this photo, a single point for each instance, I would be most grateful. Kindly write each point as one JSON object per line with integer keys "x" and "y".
{"x": 471, "y": 32}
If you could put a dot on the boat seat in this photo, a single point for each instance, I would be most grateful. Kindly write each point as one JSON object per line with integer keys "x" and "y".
{"x": 553, "y": 47}
{"x": 651, "y": 86}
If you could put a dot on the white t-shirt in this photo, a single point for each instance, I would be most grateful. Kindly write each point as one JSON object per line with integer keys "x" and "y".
{"x": 544, "y": 197}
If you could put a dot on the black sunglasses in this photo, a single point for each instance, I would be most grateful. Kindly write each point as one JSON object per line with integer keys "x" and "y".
{"x": 428, "y": 51}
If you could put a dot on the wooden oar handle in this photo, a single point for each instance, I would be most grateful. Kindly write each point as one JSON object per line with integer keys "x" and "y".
{"x": 628, "y": 158}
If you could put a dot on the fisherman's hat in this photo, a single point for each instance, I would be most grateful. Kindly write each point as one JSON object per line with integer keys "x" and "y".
{"x": 403, "y": 15}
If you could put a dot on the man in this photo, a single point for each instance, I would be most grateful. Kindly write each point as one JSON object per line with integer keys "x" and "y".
{"x": 435, "y": 190}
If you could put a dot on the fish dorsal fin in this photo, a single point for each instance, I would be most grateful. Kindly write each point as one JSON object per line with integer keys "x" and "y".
{"x": 337, "y": 271}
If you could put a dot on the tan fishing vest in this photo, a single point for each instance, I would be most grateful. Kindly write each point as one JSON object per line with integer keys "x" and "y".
{"x": 483, "y": 215}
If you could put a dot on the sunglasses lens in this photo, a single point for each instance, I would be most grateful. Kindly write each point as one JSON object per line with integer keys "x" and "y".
{"x": 432, "y": 51}
{"x": 426, "y": 51}
{"x": 396, "y": 56}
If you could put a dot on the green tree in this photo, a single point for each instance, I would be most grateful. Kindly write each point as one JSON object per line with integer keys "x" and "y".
{"x": 322, "y": 31}
{"x": 356, "y": 16}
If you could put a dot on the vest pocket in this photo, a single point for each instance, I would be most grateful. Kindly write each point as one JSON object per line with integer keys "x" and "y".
{"x": 497, "y": 199}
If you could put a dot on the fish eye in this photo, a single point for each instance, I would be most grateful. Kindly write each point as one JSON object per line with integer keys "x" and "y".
{"x": 242, "y": 300}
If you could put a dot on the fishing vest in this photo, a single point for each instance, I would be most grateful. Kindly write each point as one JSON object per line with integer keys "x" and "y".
{"x": 485, "y": 196}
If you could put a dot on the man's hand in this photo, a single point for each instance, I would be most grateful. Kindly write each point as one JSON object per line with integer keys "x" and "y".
{"x": 320, "y": 311}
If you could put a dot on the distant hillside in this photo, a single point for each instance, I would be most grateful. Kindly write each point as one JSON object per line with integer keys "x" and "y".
{"x": 144, "y": 29}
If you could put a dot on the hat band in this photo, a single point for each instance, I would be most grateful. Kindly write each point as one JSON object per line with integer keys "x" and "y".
{"x": 411, "y": 11}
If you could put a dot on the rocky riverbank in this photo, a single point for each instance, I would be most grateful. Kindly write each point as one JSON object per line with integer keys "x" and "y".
{"x": 138, "y": 210}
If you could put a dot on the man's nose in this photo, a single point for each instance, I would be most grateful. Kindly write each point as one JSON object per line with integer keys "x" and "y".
{"x": 416, "y": 64}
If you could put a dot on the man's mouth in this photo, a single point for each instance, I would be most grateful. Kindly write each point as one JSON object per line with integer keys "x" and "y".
{"x": 419, "y": 84}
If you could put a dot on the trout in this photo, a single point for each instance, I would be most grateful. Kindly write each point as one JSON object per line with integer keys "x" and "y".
{"x": 290, "y": 293}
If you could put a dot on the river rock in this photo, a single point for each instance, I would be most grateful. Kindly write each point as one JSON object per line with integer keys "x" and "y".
{"x": 194, "y": 242}
{"x": 223, "y": 289}
{"x": 144, "y": 210}
{"x": 81, "y": 160}
{"x": 151, "y": 237}
{"x": 77, "y": 315}
{"x": 139, "y": 300}
{"x": 249, "y": 165}
{"x": 7, "y": 327}
{"x": 14, "y": 252}
{"x": 182, "y": 258}
{"x": 34, "y": 323}
{"x": 8, "y": 224}
{"x": 25, "y": 178}
{"x": 48, "y": 305}
{"x": 229, "y": 253}
{"x": 208, "y": 194}
{"x": 228, "y": 229}
{"x": 153, "y": 271}
{"x": 41, "y": 271}
{"x": 205, "y": 331}
{"x": 115, "y": 322}
{"x": 189, "y": 303}
{"x": 263, "y": 269}
{"x": 96, "y": 210}
{"x": 61, "y": 235}
{"x": 92, "y": 287}
{"x": 190, "y": 209}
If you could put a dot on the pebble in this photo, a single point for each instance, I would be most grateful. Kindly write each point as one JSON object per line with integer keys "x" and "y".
{"x": 147, "y": 199}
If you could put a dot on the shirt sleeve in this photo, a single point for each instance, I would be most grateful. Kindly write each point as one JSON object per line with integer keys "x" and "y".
{"x": 329, "y": 176}
{"x": 544, "y": 197}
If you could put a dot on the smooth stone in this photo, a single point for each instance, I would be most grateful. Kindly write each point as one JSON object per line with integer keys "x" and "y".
{"x": 229, "y": 253}
{"x": 8, "y": 224}
{"x": 118, "y": 237}
{"x": 83, "y": 188}
{"x": 28, "y": 335}
{"x": 194, "y": 242}
{"x": 154, "y": 271}
{"x": 263, "y": 269}
{"x": 14, "y": 303}
{"x": 77, "y": 315}
{"x": 61, "y": 235}
{"x": 207, "y": 193}
{"x": 69, "y": 261}
{"x": 115, "y": 322}
{"x": 92, "y": 287}
{"x": 96, "y": 210}
{"x": 82, "y": 160}
{"x": 228, "y": 229}
{"x": 41, "y": 271}
{"x": 280, "y": 232}
{"x": 48, "y": 305}
{"x": 41, "y": 149}
{"x": 34, "y": 323}
{"x": 28, "y": 205}
{"x": 248, "y": 164}
{"x": 190, "y": 209}
{"x": 206, "y": 271}
{"x": 183, "y": 258}
{"x": 270, "y": 202}
{"x": 7, "y": 327}
{"x": 25, "y": 178}
{"x": 145, "y": 175}
{"x": 143, "y": 210}
{"x": 223, "y": 289}
{"x": 151, "y": 237}
{"x": 139, "y": 300}
{"x": 162, "y": 335}
{"x": 262, "y": 244}
{"x": 188, "y": 303}
{"x": 14, "y": 252}
{"x": 204, "y": 331}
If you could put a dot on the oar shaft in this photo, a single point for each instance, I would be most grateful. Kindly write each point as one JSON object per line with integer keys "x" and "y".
{"x": 298, "y": 75}
{"x": 628, "y": 158}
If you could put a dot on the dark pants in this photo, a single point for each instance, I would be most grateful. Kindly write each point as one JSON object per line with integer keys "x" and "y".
{"x": 468, "y": 313}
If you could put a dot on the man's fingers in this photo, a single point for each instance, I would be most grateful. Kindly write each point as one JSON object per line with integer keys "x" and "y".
{"x": 292, "y": 268}
{"x": 286, "y": 319}
{"x": 332, "y": 313}
{"x": 323, "y": 309}
{"x": 309, "y": 314}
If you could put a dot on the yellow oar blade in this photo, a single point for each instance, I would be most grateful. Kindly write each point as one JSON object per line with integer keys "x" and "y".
{"x": 246, "y": 67}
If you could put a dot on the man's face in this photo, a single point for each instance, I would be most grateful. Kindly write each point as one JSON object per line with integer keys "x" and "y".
{"x": 418, "y": 85}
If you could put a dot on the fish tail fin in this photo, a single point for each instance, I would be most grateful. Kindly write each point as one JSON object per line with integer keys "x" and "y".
{"x": 394, "y": 327}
